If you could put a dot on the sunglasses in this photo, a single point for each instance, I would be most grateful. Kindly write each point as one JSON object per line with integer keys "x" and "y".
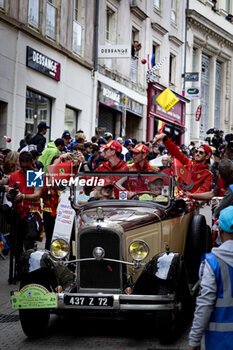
{"x": 200, "y": 152}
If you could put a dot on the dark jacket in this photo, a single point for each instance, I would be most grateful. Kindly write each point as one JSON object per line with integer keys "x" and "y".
{"x": 38, "y": 140}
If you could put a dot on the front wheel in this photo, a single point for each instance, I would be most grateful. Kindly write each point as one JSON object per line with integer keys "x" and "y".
{"x": 34, "y": 322}
{"x": 170, "y": 323}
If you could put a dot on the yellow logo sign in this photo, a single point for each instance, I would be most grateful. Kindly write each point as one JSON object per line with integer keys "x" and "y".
{"x": 62, "y": 171}
{"x": 167, "y": 99}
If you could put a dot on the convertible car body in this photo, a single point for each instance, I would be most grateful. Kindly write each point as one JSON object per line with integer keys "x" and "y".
{"x": 123, "y": 254}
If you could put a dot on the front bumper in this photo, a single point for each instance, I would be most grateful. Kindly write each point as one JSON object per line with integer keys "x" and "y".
{"x": 35, "y": 296}
{"x": 119, "y": 301}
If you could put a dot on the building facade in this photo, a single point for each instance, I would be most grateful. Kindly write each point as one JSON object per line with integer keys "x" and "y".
{"x": 159, "y": 27}
{"x": 46, "y": 65}
{"x": 209, "y": 53}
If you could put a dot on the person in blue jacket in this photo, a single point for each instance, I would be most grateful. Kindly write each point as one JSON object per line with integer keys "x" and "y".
{"x": 214, "y": 306}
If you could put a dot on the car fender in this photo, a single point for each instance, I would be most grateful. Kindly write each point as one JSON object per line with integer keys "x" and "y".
{"x": 164, "y": 266}
{"x": 31, "y": 261}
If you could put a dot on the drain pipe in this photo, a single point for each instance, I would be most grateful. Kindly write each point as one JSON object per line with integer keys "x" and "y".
{"x": 185, "y": 43}
{"x": 95, "y": 69}
{"x": 14, "y": 117}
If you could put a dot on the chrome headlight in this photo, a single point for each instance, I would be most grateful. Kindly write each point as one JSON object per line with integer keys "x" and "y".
{"x": 59, "y": 249}
{"x": 138, "y": 250}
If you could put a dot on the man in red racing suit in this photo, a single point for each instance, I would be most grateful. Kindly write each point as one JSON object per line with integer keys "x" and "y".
{"x": 201, "y": 175}
{"x": 140, "y": 164}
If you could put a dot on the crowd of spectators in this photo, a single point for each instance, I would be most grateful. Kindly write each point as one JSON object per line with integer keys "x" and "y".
{"x": 211, "y": 172}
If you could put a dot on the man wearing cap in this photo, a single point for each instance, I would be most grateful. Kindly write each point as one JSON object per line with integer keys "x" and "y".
{"x": 201, "y": 176}
{"x": 66, "y": 138}
{"x": 112, "y": 153}
{"x": 140, "y": 159}
{"x": 213, "y": 314}
{"x": 39, "y": 140}
{"x": 140, "y": 164}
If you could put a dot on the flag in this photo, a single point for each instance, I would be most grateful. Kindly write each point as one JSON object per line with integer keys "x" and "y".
{"x": 167, "y": 99}
{"x": 181, "y": 171}
{"x": 150, "y": 60}
{"x": 60, "y": 171}
{"x": 161, "y": 126}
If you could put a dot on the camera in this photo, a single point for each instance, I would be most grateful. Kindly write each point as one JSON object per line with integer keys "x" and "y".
{"x": 13, "y": 192}
{"x": 2, "y": 188}
{"x": 216, "y": 140}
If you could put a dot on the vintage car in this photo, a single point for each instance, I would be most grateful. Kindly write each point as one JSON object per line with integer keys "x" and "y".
{"x": 123, "y": 255}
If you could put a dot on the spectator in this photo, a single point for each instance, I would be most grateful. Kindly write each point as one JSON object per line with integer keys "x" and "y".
{"x": 13, "y": 155}
{"x": 108, "y": 136}
{"x": 52, "y": 149}
{"x": 96, "y": 159}
{"x": 201, "y": 176}
{"x": 213, "y": 312}
{"x": 27, "y": 203}
{"x": 126, "y": 150}
{"x": 39, "y": 140}
{"x": 166, "y": 162}
{"x": 87, "y": 150}
{"x": 66, "y": 138}
{"x": 50, "y": 197}
{"x": 80, "y": 138}
{"x": 155, "y": 152}
{"x": 226, "y": 170}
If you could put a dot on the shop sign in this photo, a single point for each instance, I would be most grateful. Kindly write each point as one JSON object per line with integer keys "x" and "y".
{"x": 114, "y": 51}
{"x": 191, "y": 76}
{"x": 193, "y": 93}
{"x": 110, "y": 97}
{"x": 198, "y": 113}
{"x": 43, "y": 64}
{"x": 134, "y": 107}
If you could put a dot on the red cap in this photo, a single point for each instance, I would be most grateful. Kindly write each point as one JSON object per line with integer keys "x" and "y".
{"x": 140, "y": 148}
{"x": 207, "y": 149}
{"x": 116, "y": 146}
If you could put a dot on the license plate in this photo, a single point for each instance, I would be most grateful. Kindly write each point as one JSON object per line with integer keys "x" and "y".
{"x": 96, "y": 301}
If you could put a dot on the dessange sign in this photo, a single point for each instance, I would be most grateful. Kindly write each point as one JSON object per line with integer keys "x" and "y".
{"x": 43, "y": 64}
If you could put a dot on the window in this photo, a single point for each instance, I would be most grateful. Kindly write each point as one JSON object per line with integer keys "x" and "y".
{"x": 77, "y": 27}
{"x": 2, "y": 3}
{"x": 227, "y": 6}
{"x": 51, "y": 20}
{"x": 33, "y": 13}
{"x": 71, "y": 120}
{"x": 134, "y": 56}
{"x": 174, "y": 11}
{"x": 157, "y": 4}
{"x": 172, "y": 69}
{"x": 110, "y": 33}
{"x": 77, "y": 37}
{"x": 76, "y": 10}
{"x": 155, "y": 51}
{"x": 38, "y": 109}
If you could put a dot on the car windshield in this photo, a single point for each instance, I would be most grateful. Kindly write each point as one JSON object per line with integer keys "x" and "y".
{"x": 147, "y": 187}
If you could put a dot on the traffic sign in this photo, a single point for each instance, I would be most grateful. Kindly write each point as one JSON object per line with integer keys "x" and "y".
{"x": 198, "y": 113}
